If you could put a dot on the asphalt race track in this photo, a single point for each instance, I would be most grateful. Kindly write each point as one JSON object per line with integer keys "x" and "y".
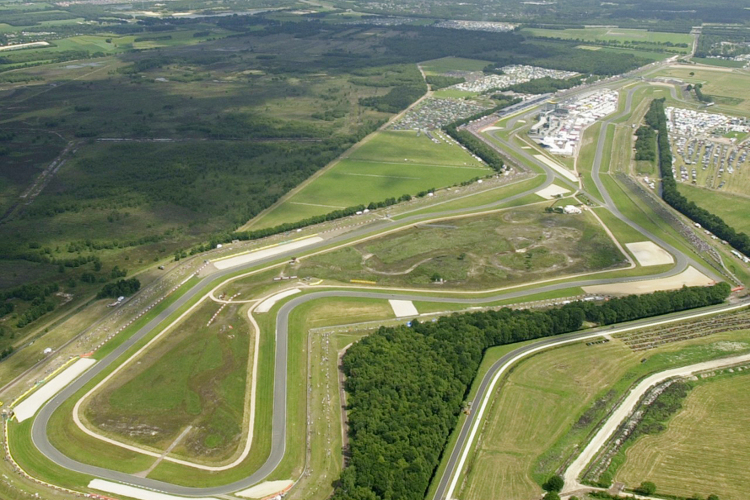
{"x": 39, "y": 428}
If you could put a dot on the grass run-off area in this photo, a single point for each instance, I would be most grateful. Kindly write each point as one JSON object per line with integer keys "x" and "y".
{"x": 733, "y": 209}
{"x": 390, "y": 164}
{"x": 548, "y": 406}
{"x": 635, "y": 37}
{"x": 500, "y": 249}
{"x": 196, "y": 376}
{"x": 712, "y": 61}
{"x": 447, "y": 64}
{"x": 727, "y": 87}
{"x": 704, "y": 449}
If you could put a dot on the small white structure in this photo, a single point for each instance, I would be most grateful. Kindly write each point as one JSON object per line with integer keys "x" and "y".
{"x": 571, "y": 210}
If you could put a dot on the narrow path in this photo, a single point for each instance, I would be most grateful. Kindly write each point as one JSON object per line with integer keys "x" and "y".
{"x": 166, "y": 452}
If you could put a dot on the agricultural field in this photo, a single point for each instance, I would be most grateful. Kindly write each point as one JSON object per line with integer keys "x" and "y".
{"x": 453, "y": 64}
{"x": 734, "y": 209}
{"x": 196, "y": 377}
{"x": 679, "y": 461}
{"x": 635, "y": 38}
{"x": 391, "y": 164}
{"x": 539, "y": 416}
{"x": 527, "y": 244}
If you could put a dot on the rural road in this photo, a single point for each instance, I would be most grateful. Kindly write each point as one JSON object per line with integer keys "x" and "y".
{"x": 39, "y": 428}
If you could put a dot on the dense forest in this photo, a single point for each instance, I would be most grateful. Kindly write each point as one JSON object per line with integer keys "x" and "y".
{"x": 406, "y": 385}
{"x": 656, "y": 118}
{"x": 645, "y": 144}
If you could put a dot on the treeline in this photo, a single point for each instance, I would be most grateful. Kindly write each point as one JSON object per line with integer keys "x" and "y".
{"x": 645, "y": 144}
{"x": 546, "y": 85}
{"x": 440, "y": 81}
{"x": 475, "y": 145}
{"x": 698, "y": 89}
{"x": 35, "y": 294}
{"x": 657, "y": 120}
{"x": 406, "y": 386}
{"x": 120, "y": 288}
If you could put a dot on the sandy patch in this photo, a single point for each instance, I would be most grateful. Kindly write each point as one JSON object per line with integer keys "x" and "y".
{"x": 648, "y": 253}
{"x": 263, "y": 253}
{"x": 688, "y": 277}
{"x": 558, "y": 168}
{"x": 267, "y": 304}
{"x": 266, "y": 489}
{"x": 403, "y": 308}
{"x": 29, "y": 407}
{"x": 551, "y": 191}
{"x": 139, "y": 493}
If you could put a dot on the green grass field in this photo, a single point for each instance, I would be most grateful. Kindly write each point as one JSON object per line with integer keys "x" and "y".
{"x": 704, "y": 449}
{"x": 636, "y": 37}
{"x": 732, "y": 208}
{"x": 724, "y": 63}
{"x": 728, "y": 87}
{"x": 446, "y": 64}
{"x": 551, "y": 402}
{"x": 388, "y": 165}
{"x": 510, "y": 247}
{"x": 196, "y": 376}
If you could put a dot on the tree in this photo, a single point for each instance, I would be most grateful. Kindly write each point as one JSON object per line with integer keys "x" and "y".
{"x": 646, "y": 488}
{"x": 712, "y": 497}
{"x": 554, "y": 483}
{"x": 551, "y": 495}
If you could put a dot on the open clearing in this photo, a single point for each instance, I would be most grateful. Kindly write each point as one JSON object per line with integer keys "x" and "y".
{"x": 704, "y": 449}
{"x": 552, "y": 191}
{"x": 648, "y": 253}
{"x": 195, "y": 376}
{"x": 500, "y": 249}
{"x": 689, "y": 277}
{"x": 646, "y": 39}
{"x": 29, "y": 407}
{"x": 449, "y": 64}
{"x": 390, "y": 164}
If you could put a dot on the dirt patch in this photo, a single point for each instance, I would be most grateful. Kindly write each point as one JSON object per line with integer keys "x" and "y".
{"x": 648, "y": 253}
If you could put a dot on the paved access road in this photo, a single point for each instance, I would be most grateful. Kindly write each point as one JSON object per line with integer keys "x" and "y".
{"x": 39, "y": 428}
